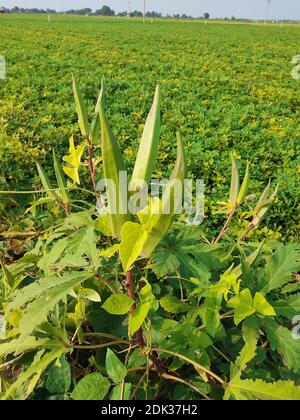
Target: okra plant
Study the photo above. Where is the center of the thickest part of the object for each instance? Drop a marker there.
(104, 302)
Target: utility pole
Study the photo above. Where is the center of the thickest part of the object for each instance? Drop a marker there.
(129, 9)
(144, 14)
(268, 11)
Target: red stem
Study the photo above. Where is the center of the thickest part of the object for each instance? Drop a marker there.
(131, 293)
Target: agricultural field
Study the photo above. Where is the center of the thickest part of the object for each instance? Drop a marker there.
(103, 305)
(226, 87)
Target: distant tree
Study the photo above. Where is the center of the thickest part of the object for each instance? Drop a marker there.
(105, 11)
(136, 13)
(206, 15)
(233, 18)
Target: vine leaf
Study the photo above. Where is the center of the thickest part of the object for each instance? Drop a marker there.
(28, 379)
(282, 340)
(288, 307)
(39, 298)
(115, 368)
(92, 387)
(250, 335)
(258, 389)
(280, 267)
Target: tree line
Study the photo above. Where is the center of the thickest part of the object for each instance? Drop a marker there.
(104, 11)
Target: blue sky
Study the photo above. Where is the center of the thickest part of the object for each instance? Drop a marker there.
(280, 9)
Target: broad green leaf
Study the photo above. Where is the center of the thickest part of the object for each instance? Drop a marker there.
(59, 377)
(288, 307)
(117, 394)
(235, 184)
(133, 238)
(137, 359)
(147, 154)
(225, 285)
(173, 305)
(210, 314)
(138, 317)
(250, 330)
(282, 340)
(250, 260)
(39, 365)
(164, 263)
(109, 252)
(80, 109)
(90, 294)
(7, 276)
(262, 199)
(244, 188)
(114, 367)
(113, 169)
(260, 390)
(103, 225)
(262, 209)
(41, 297)
(243, 306)
(280, 267)
(261, 305)
(171, 204)
(118, 304)
(18, 346)
(74, 161)
(92, 387)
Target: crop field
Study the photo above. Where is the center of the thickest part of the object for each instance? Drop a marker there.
(108, 291)
(226, 87)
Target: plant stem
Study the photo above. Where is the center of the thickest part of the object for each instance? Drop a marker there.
(131, 293)
(247, 231)
(225, 227)
(98, 346)
(106, 283)
(192, 362)
(182, 381)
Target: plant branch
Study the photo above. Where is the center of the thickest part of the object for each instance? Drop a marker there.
(225, 227)
(247, 231)
(182, 381)
(131, 293)
(98, 346)
(106, 283)
(192, 362)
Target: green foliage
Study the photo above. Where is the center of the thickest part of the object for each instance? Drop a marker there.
(229, 115)
(283, 341)
(260, 390)
(279, 269)
(114, 367)
(92, 387)
(118, 304)
(212, 317)
(59, 377)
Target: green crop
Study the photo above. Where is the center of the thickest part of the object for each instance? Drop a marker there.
(228, 87)
(139, 305)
